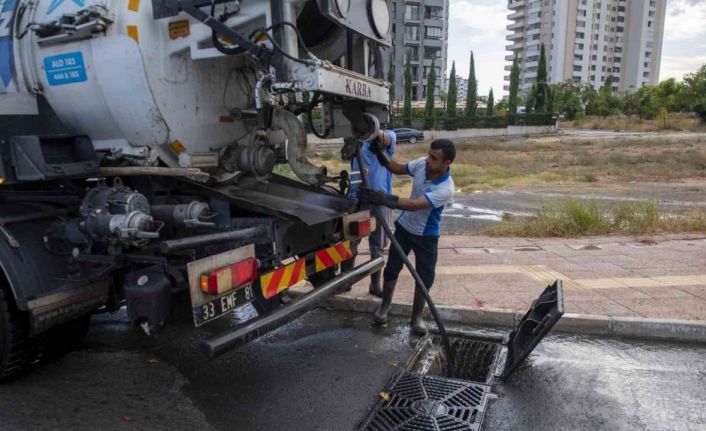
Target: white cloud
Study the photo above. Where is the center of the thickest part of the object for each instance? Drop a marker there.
(684, 48)
(479, 26)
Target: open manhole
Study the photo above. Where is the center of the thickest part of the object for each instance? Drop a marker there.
(422, 398)
(477, 358)
(419, 402)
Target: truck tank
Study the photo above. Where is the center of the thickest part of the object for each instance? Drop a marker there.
(149, 83)
(138, 146)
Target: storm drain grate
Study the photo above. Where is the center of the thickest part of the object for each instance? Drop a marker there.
(421, 402)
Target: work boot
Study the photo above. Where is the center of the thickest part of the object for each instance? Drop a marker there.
(375, 287)
(388, 289)
(418, 325)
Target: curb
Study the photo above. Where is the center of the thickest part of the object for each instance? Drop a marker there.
(615, 326)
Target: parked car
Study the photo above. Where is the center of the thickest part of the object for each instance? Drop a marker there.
(409, 135)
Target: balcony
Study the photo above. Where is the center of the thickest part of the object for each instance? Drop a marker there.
(515, 46)
(515, 36)
(512, 57)
(515, 26)
(515, 4)
(517, 15)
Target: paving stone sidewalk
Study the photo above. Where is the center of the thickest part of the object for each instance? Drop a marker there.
(660, 277)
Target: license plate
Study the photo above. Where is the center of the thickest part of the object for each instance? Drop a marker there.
(221, 305)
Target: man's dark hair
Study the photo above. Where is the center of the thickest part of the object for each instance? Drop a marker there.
(446, 147)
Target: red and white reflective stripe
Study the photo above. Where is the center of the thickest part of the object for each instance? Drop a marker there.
(230, 277)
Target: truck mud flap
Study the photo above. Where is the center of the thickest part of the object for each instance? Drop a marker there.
(545, 311)
(261, 325)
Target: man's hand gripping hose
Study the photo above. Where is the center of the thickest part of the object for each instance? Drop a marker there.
(419, 284)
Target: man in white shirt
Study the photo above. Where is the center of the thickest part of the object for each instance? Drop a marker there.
(418, 227)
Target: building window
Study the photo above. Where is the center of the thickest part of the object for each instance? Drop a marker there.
(432, 52)
(578, 68)
(578, 47)
(578, 57)
(620, 29)
(579, 35)
(411, 11)
(433, 32)
(411, 32)
(412, 53)
(415, 73)
(433, 12)
(618, 50)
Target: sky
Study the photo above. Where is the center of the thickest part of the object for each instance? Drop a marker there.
(479, 25)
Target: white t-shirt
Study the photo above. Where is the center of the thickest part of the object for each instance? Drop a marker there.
(439, 192)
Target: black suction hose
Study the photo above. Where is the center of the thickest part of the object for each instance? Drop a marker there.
(419, 284)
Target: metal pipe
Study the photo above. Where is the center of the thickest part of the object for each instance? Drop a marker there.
(259, 326)
(195, 241)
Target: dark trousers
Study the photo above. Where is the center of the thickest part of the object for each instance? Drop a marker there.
(425, 251)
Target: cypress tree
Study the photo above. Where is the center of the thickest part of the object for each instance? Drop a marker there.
(429, 107)
(514, 86)
(472, 92)
(541, 89)
(491, 103)
(453, 93)
(407, 110)
(391, 80)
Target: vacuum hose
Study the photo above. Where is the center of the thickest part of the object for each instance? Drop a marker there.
(450, 354)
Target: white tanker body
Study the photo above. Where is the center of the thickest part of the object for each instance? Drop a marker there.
(137, 144)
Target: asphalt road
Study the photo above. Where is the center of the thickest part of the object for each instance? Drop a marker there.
(474, 210)
(323, 372)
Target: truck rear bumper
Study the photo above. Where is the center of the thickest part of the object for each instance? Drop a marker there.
(259, 326)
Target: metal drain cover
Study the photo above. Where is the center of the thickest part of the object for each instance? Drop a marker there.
(421, 402)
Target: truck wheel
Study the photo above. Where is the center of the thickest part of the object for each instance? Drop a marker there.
(63, 339)
(14, 338)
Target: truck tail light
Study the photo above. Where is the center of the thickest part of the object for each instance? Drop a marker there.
(230, 277)
(361, 227)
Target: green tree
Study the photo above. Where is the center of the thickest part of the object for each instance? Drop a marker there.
(429, 106)
(453, 93)
(472, 92)
(567, 99)
(695, 91)
(514, 86)
(541, 96)
(407, 110)
(491, 103)
(391, 80)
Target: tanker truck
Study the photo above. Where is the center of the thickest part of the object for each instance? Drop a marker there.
(140, 142)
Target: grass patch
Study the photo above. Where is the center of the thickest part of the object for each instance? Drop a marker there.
(492, 163)
(671, 121)
(573, 217)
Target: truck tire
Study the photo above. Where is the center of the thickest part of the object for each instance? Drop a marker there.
(14, 338)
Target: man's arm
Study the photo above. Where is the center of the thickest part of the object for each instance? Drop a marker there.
(391, 164)
(407, 204)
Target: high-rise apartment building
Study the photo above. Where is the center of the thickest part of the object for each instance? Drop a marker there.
(420, 31)
(588, 40)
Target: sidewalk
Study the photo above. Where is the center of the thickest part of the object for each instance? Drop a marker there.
(661, 277)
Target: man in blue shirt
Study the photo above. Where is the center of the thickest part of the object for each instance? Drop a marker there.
(380, 179)
(418, 227)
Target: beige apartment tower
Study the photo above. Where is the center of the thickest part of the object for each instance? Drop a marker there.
(587, 40)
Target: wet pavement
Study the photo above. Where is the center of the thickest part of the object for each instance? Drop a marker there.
(324, 371)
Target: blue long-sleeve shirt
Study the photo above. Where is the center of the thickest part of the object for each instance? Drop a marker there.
(378, 176)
